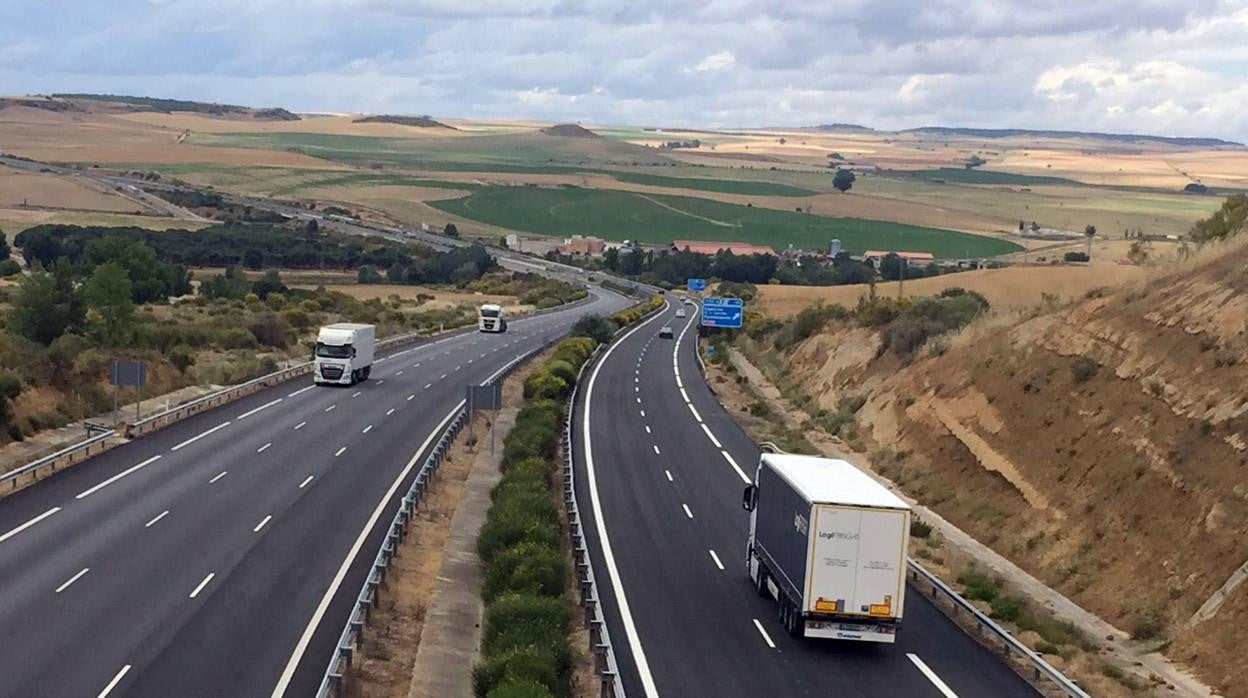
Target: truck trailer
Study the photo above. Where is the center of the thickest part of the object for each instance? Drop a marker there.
(828, 543)
(344, 353)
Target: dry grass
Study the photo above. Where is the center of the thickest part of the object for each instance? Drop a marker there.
(15, 220)
(1008, 287)
(39, 190)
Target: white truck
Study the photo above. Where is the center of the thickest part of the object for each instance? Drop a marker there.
(491, 318)
(828, 543)
(344, 353)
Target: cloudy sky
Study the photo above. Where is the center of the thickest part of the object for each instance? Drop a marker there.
(1170, 67)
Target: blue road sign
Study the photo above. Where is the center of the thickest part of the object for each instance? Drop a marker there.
(722, 312)
(696, 285)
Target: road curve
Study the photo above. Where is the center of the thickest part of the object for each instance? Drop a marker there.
(660, 468)
(193, 561)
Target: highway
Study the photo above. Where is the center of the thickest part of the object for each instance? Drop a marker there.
(660, 468)
(220, 556)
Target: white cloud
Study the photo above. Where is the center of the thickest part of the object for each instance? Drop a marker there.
(715, 61)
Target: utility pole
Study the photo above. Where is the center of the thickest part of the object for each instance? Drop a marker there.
(901, 277)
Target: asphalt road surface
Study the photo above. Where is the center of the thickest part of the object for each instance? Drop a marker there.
(220, 556)
(660, 472)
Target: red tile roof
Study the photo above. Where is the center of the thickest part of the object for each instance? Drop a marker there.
(704, 247)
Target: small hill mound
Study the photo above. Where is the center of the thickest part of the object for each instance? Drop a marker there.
(422, 121)
(112, 104)
(569, 131)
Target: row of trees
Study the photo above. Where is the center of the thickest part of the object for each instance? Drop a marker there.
(675, 267)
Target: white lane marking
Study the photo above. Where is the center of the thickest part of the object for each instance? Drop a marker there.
(687, 512)
(302, 645)
(299, 425)
(762, 632)
(357, 393)
(428, 386)
(88, 492)
(715, 557)
(679, 384)
(302, 390)
(416, 365)
(340, 451)
(643, 414)
(398, 373)
(330, 408)
(638, 401)
(656, 450)
(648, 429)
(668, 473)
(711, 436)
(72, 579)
(637, 388)
(266, 405)
(604, 540)
(381, 359)
(684, 394)
(264, 448)
(443, 377)
(116, 680)
(383, 380)
(389, 411)
(470, 360)
(694, 410)
(268, 518)
(203, 584)
(220, 475)
(411, 397)
(158, 517)
(305, 482)
(931, 676)
(458, 367)
(740, 472)
(193, 439)
(367, 429)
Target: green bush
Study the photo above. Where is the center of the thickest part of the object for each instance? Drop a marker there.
(528, 568)
(977, 585)
(1007, 608)
(920, 528)
(517, 664)
(1048, 648)
(595, 327)
(238, 338)
(1084, 369)
(10, 385)
(500, 532)
(182, 357)
(562, 370)
(9, 267)
(519, 620)
(519, 688)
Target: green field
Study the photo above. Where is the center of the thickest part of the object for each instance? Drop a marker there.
(728, 186)
(959, 175)
(618, 215)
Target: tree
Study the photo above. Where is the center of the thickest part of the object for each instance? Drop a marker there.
(1021, 226)
(368, 274)
(233, 284)
(892, 267)
(108, 294)
(253, 258)
(1229, 220)
(843, 180)
(450, 231)
(1090, 232)
(973, 162)
(271, 282)
(150, 278)
(47, 304)
(4, 247)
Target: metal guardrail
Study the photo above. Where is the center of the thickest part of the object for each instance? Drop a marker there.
(605, 665)
(82, 450)
(353, 632)
(1040, 669)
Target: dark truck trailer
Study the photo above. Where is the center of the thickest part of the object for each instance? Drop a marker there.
(828, 543)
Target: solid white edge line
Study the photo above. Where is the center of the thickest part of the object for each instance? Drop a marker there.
(72, 579)
(763, 632)
(711, 436)
(302, 390)
(740, 473)
(203, 584)
(88, 492)
(613, 572)
(263, 521)
(302, 645)
(159, 516)
(687, 511)
(266, 405)
(715, 557)
(116, 680)
(193, 439)
(931, 676)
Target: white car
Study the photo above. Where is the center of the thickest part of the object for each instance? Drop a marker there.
(680, 312)
(665, 332)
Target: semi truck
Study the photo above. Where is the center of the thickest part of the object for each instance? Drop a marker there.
(828, 544)
(491, 318)
(344, 353)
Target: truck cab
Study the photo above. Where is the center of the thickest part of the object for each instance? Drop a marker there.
(491, 318)
(829, 544)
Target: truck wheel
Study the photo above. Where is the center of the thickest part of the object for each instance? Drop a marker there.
(761, 585)
(795, 625)
(367, 371)
(355, 377)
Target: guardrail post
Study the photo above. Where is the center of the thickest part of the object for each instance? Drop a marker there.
(608, 684)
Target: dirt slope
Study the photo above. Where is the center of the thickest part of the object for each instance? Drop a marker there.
(1102, 446)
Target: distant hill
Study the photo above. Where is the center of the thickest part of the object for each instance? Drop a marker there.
(569, 131)
(842, 127)
(422, 121)
(45, 103)
(160, 104)
(1121, 137)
